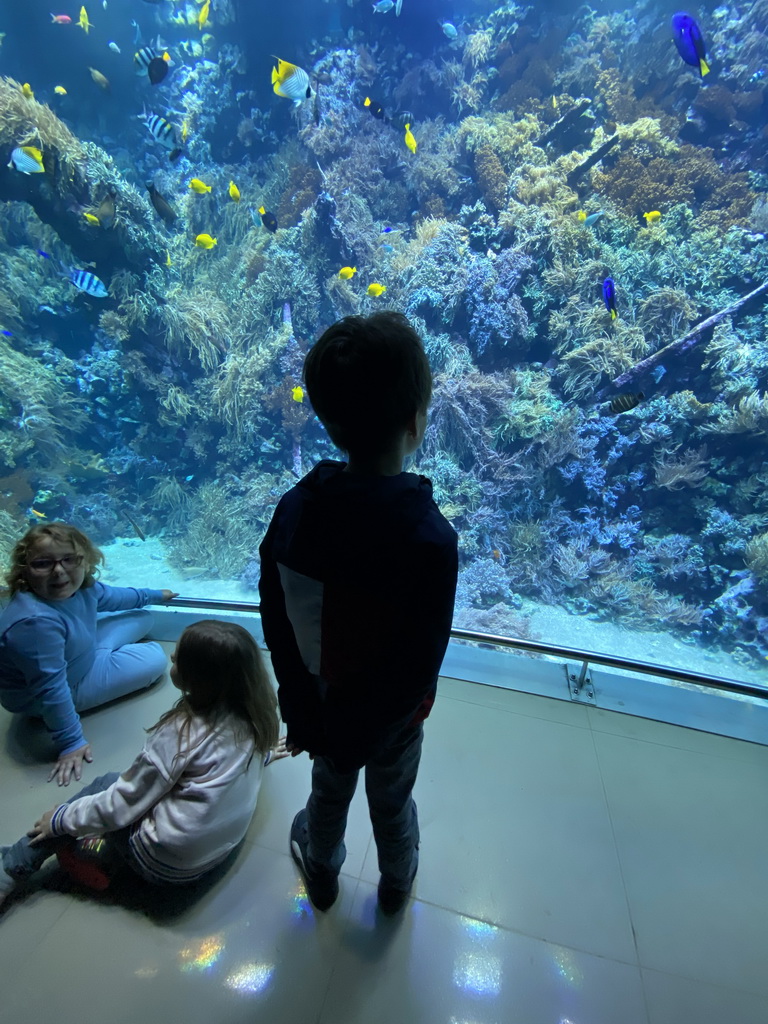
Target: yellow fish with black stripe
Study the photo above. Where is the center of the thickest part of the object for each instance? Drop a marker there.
(291, 81)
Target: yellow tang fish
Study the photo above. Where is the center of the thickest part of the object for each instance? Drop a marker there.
(298, 393)
(199, 186)
(205, 241)
(83, 22)
(652, 217)
(92, 219)
(26, 91)
(168, 260)
(347, 272)
(581, 215)
(60, 90)
(375, 290)
(202, 18)
(410, 142)
(40, 515)
(184, 129)
(234, 192)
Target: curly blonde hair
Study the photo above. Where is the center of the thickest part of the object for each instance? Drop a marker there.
(16, 577)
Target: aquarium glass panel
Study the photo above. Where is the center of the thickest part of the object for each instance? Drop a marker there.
(570, 204)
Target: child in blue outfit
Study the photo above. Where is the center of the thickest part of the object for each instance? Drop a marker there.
(358, 578)
(59, 654)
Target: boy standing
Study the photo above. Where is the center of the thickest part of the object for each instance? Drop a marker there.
(358, 578)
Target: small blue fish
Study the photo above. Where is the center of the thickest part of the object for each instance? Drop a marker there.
(189, 478)
(593, 218)
(387, 248)
(757, 75)
(7, 334)
(383, 6)
(689, 42)
(449, 30)
(609, 297)
(43, 254)
(385, 231)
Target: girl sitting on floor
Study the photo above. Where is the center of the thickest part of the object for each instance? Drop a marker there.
(61, 651)
(188, 798)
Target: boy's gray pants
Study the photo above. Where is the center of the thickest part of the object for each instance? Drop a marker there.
(389, 782)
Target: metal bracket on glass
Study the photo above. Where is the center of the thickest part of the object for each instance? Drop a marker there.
(580, 683)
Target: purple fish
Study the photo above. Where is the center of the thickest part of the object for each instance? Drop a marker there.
(609, 297)
(689, 42)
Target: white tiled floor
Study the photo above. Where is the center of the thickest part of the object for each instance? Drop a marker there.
(577, 867)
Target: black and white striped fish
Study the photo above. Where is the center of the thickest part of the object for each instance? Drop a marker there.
(87, 282)
(161, 130)
(143, 58)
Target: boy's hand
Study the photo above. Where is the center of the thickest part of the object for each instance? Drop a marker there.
(42, 828)
(294, 751)
(168, 595)
(69, 764)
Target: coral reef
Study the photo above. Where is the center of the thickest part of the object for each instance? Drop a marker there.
(541, 147)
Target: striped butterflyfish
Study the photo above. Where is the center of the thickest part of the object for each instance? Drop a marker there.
(291, 81)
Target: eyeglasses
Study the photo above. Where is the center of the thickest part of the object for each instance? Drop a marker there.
(44, 566)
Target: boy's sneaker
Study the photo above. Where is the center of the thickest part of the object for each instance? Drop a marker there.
(85, 861)
(392, 899)
(322, 886)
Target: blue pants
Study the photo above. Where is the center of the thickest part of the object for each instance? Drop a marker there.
(389, 782)
(121, 665)
(22, 860)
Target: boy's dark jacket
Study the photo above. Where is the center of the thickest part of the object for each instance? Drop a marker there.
(358, 579)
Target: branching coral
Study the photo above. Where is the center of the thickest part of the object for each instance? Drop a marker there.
(756, 556)
(689, 470)
(692, 177)
(750, 416)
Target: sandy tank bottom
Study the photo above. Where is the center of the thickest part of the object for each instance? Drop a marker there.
(131, 562)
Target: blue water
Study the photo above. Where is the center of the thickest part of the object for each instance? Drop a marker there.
(605, 473)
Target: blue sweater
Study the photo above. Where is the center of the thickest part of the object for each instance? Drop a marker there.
(48, 647)
(358, 578)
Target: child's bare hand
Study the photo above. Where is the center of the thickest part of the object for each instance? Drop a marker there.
(168, 595)
(71, 764)
(42, 828)
(278, 752)
(295, 750)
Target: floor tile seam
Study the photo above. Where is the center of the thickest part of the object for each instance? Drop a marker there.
(511, 711)
(699, 981)
(620, 865)
(676, 746)
(337, 957)
(520, 932)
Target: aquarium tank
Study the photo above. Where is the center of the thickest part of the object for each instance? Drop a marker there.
(570, 205)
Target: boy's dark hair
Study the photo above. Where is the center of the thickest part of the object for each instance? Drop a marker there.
(366, 377)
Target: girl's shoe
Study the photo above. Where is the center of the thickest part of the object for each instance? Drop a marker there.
(86, 861)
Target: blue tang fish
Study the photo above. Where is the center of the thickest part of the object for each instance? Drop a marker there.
(609, 297)
(689, 42)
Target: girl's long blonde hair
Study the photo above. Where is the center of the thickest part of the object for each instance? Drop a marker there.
(220, 669)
